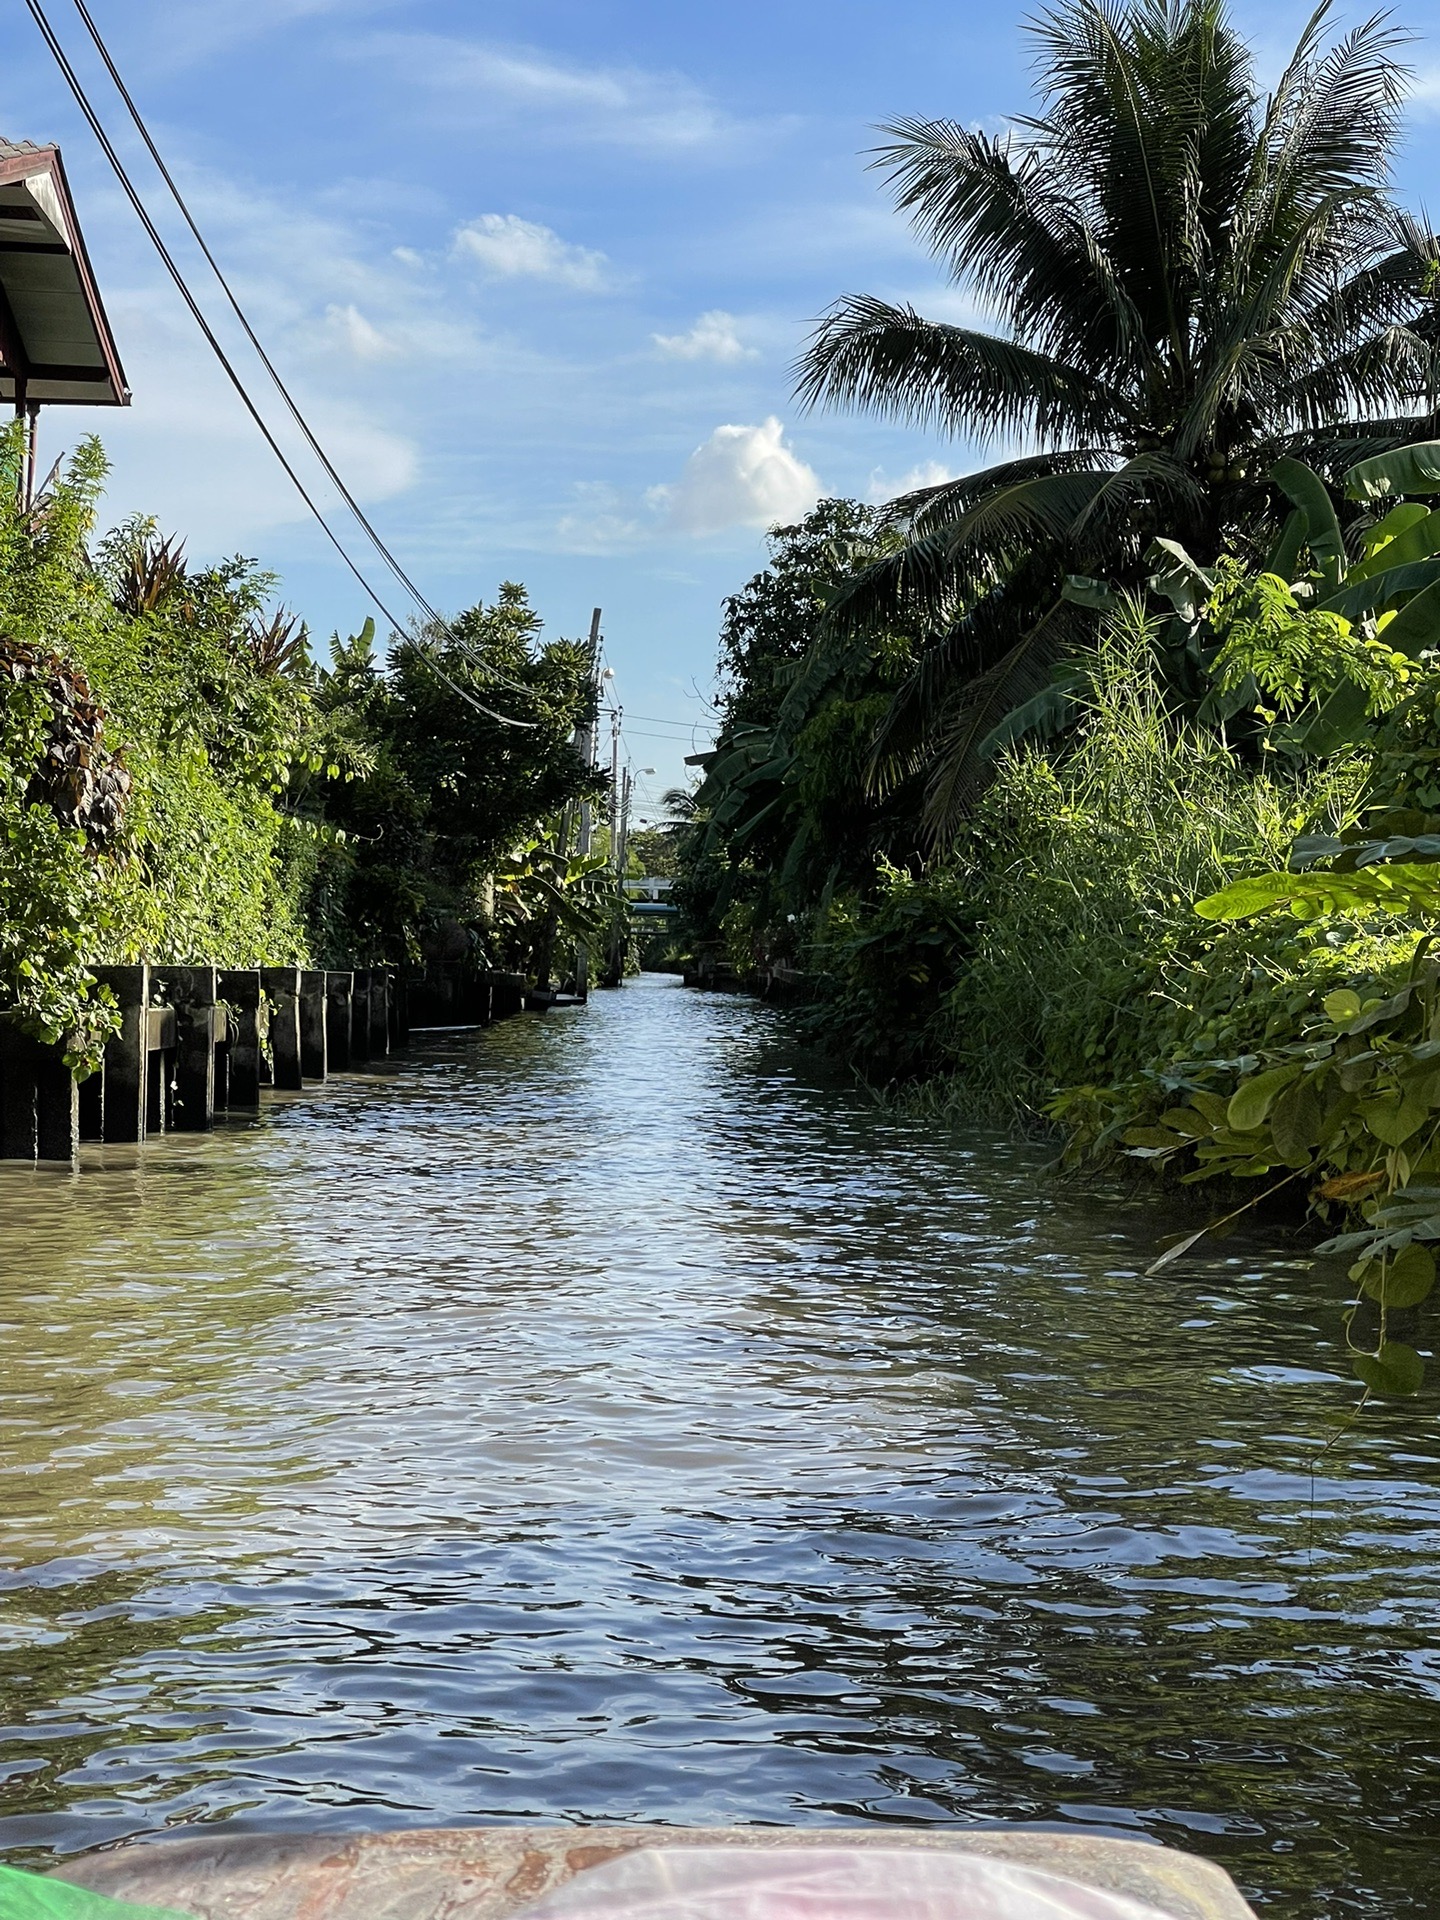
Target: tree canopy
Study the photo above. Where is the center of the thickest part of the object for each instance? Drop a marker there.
(1188, 281)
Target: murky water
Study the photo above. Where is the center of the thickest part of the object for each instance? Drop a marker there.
(610, 1417)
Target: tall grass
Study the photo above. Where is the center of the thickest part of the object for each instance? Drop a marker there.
(1083, 871)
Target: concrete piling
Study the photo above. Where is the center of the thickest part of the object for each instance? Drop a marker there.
(379, 1013)
(314, 1048)
(39, 1101)
(197, 1041)
(193, 993)
(161, 1030)
(360, 1017)
(507, 995)
(127, 1053)
(282, 990)
(339, 1015)
(245, 1028)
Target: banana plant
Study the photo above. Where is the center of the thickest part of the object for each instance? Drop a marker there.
(541, 890)
(1360, 619)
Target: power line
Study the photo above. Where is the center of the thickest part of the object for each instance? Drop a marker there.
(165, 174)
(82, 100)
(670, 739)
(316, 447)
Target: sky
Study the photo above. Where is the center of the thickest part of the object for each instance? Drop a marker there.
(538, 273)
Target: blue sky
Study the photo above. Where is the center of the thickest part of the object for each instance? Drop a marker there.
(539, 273)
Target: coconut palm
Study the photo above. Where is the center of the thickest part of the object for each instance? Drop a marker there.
(1189, 281)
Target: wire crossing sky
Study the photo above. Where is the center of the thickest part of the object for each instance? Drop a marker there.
(536, 274)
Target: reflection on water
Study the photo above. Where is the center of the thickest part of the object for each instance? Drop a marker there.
(608, 1417)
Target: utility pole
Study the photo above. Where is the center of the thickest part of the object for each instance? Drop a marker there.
(585, 734)
(616, 715)
(585, 747)
(622, 845)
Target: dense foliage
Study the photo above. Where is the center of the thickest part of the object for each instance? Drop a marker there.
(464, 743)
(180, 783)
(1190, 280)
(1195, 932)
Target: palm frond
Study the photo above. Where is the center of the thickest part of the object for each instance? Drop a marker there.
(919, 585)
(890, 361)
(935, 508)
(959, 763)
(1003, 221)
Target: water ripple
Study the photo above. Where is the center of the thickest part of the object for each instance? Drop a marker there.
(614, 1417)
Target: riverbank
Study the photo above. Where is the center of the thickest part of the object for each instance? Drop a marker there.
(616, 1416)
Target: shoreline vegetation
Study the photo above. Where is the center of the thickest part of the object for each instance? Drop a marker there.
(181, 782)
(1098, 788)
(1101, 787)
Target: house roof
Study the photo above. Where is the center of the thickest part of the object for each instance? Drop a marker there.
(56, 346)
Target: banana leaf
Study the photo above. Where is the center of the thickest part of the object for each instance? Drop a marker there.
(1285, 554)
(1379, 590)
(1304, 488)
(1413, 469)
(1416, 627)
(1415, 542)
(26, 1896)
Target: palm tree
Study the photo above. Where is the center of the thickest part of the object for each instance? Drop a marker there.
(1189, 281)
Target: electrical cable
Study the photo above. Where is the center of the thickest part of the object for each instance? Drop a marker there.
(72, 79)
(316, 448)
(281, 388)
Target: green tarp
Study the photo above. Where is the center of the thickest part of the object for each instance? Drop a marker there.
(25, 1896)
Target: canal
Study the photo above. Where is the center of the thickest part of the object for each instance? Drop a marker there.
(616, 1416)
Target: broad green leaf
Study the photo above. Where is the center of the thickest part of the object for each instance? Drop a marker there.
(1413, 469)
(1398, 520)
(1082, 591)
(1358, 598)
(1393, 1117)
(1383, 1011)
(1285, 554)
(1253, 1098)
(1416, 541)
(1343, 720)
(1405, 1281)
(1156, 1138)
(1183, 581)
(1306, 490)
(1395, 1371)
(1297, 1121)
(1416, 627)
(1211, 1106)
(1404, 888)
(1245, 897)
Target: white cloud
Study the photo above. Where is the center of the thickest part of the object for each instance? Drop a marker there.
(740, 477)
(600, 521)
(713, 337)
(513, 249)
(186, 424)
(350, 330)
(186, 33)
(929, 473)
(620, 106)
